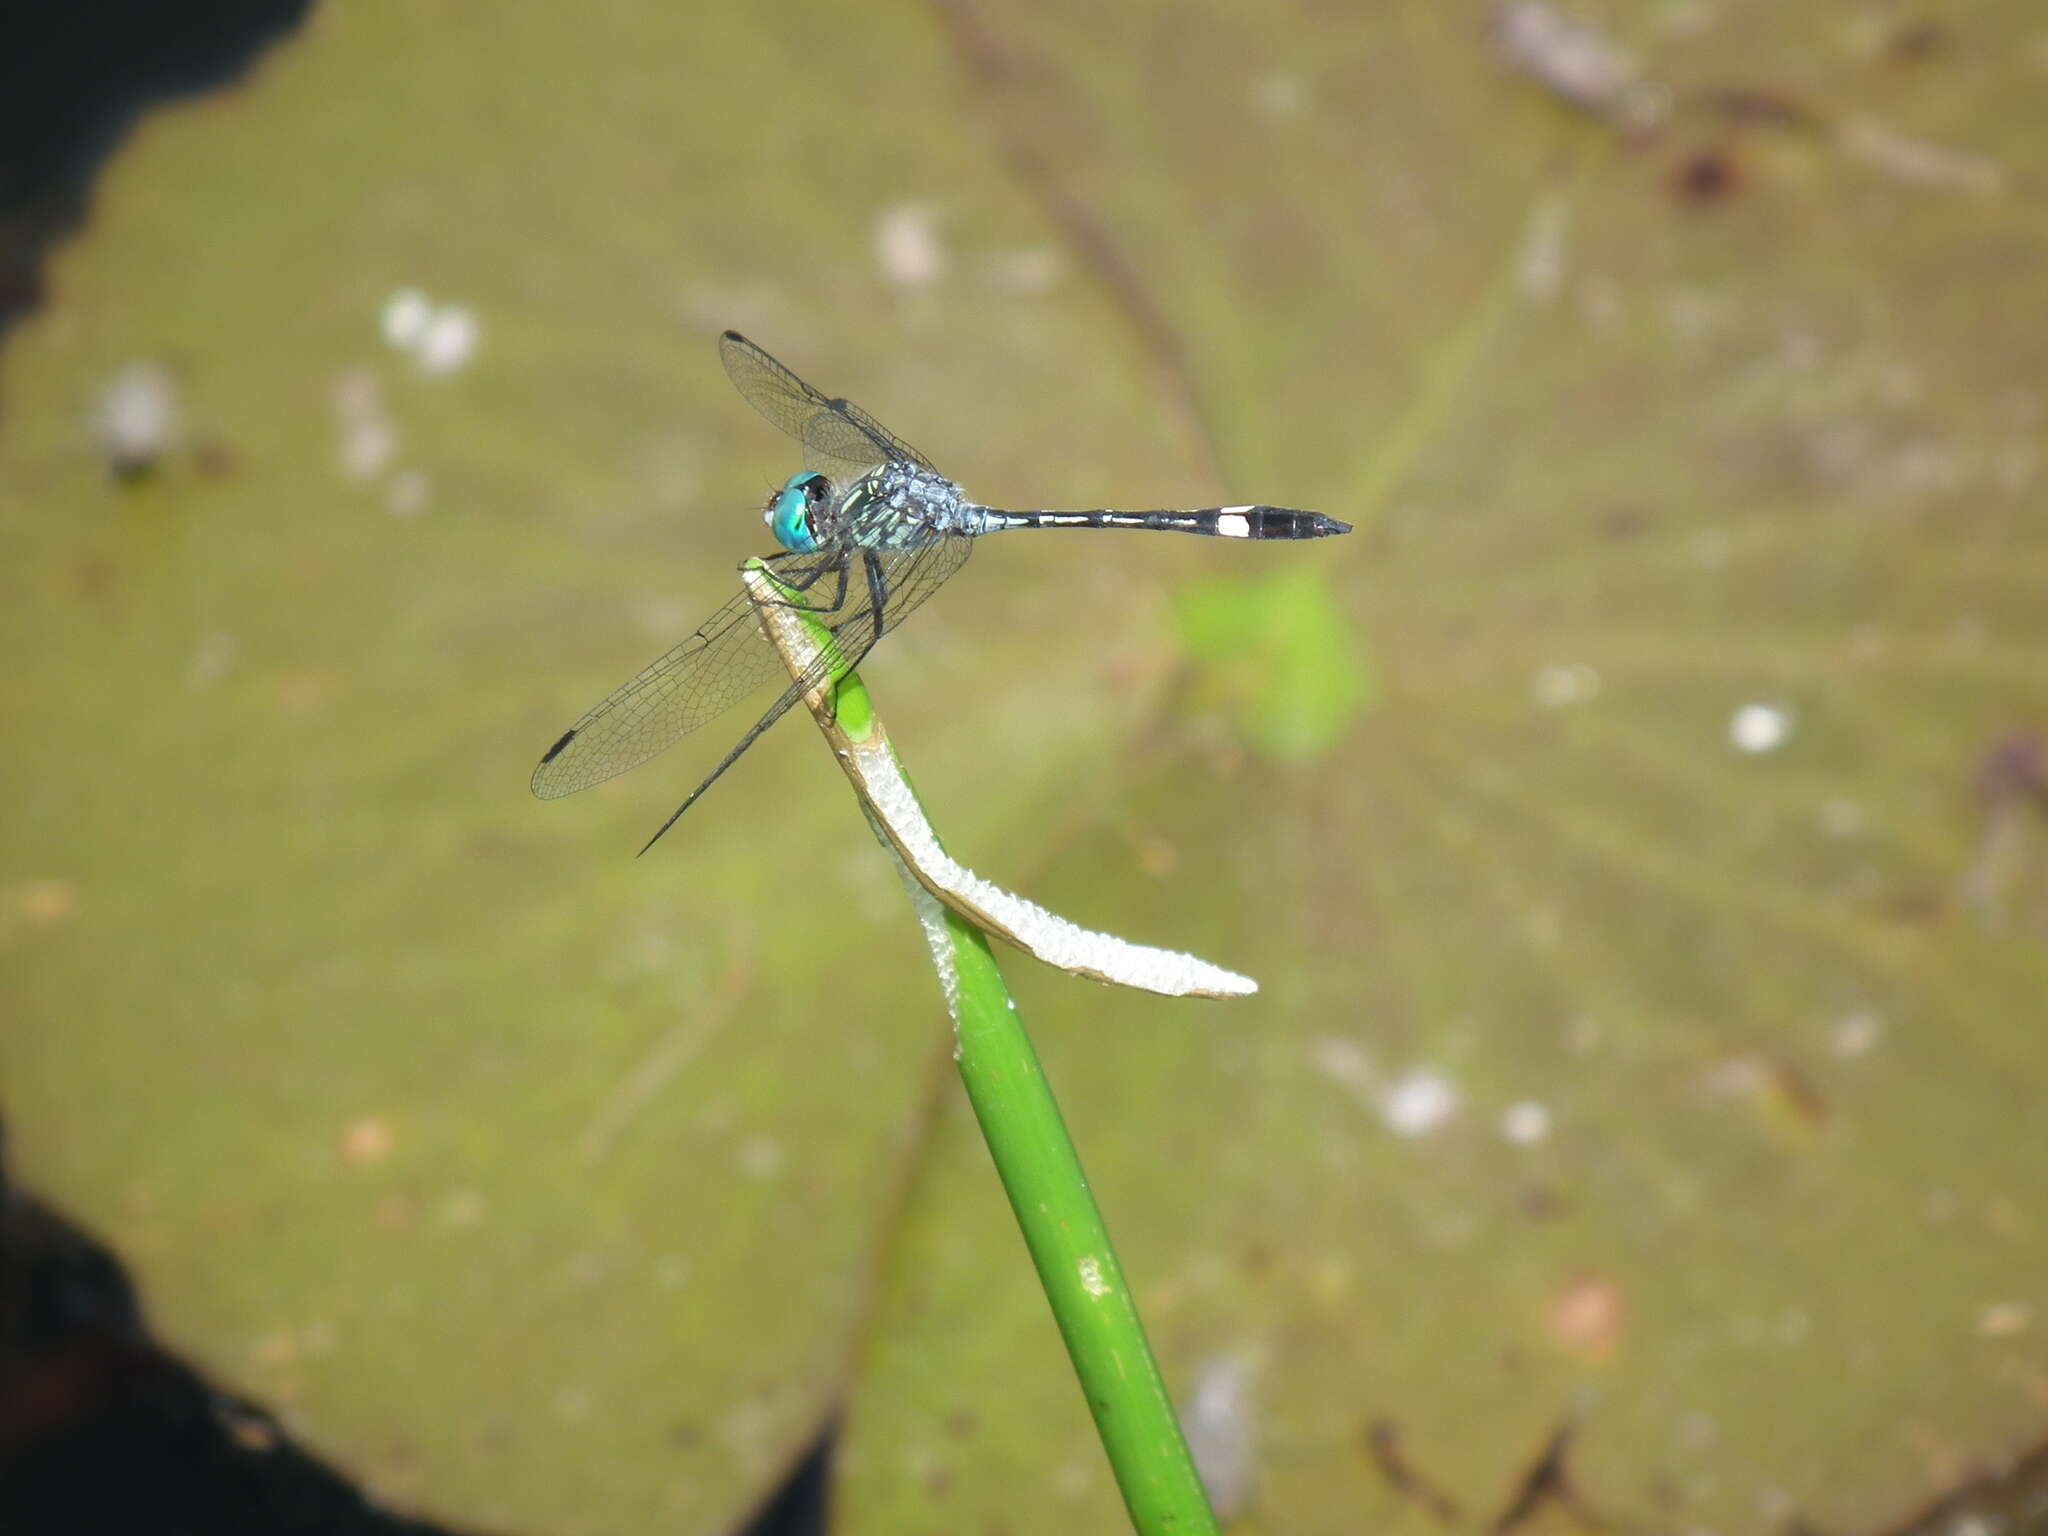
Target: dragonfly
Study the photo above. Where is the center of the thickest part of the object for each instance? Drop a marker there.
(868, 530)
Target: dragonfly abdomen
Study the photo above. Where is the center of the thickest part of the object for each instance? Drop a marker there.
(1247, 522)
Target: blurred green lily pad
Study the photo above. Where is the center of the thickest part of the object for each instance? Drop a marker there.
(1282, 650)
(1648, 1043)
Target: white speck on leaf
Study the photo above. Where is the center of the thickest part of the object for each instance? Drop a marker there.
(1525, 1123)
(138, 418)
(1419, 1103)
(1562, 683)
(1919, 162)
(1758, 728)
(404, 318)
(1856, 1033)
(1566, 55)
(449, 342)
(907, 246)
(441, 340)
(1217, 1421)
(2003, 1319)
(368, 439)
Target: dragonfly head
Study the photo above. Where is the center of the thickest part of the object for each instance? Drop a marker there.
(790, 511)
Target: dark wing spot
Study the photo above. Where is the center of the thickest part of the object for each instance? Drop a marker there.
(556, 750)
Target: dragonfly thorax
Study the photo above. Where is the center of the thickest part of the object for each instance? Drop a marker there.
(903, 506)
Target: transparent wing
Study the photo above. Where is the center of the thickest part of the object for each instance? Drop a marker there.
(844, 441)
(769, 387)
(725, 660)
(909, 576)
(840, 439)
(728, 658)
(895, 582)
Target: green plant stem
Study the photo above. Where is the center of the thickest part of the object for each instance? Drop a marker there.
(1096, 1313)
(1034, 1156)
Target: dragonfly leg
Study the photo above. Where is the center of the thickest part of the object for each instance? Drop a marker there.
(809, 579)
(852, 639)
(855, 646)
(877, 606)
(878, 588)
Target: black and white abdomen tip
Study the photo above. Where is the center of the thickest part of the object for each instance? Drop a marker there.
(1273, 523)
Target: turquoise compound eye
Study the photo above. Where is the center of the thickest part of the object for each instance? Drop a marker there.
(789, 514)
